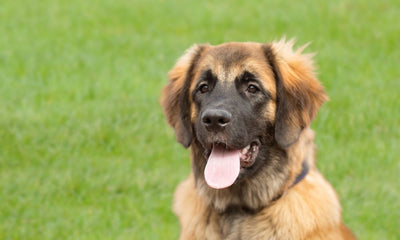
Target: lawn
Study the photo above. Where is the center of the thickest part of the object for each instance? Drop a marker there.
(85, 152)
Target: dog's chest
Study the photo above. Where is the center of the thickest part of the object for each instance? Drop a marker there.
(241, 224)
(230, 223)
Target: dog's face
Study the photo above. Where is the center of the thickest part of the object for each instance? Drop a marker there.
(240, 103)
(233, 97)
(233, 107)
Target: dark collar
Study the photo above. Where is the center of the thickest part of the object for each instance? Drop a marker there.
(304, 170)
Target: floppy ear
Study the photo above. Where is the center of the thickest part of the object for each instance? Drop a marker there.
(175, 96)
(299, 94)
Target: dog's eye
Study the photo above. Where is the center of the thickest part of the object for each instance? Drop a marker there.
(252, 88)
(203, 88)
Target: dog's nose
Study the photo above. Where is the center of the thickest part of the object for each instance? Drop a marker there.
(216, 119)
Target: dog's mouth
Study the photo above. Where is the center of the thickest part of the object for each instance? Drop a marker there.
(224, 164)
(248, 155)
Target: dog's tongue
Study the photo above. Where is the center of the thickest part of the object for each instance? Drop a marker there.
(223, 167)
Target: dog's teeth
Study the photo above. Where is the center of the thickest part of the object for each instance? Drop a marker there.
(245, 150)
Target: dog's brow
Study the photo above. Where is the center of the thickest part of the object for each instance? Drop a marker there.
(247, 76)
(207, 75)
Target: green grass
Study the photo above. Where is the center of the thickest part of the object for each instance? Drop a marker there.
(85, 152)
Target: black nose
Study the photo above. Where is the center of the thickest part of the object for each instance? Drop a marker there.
(215, 119)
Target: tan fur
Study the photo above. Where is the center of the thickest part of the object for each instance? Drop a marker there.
(308, 210)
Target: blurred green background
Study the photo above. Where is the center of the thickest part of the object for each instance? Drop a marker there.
(85, 152)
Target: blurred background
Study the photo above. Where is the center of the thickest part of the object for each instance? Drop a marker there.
(85, 152)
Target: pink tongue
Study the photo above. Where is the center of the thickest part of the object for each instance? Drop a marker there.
(223, 167)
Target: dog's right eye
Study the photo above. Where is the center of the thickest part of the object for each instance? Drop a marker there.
(203, 88)
(252, 89)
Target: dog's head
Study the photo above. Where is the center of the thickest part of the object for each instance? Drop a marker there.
(237, 101)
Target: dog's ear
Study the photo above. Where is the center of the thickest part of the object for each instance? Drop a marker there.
(175, 95)
(299, 93)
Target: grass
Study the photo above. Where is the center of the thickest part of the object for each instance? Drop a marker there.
(85, 152)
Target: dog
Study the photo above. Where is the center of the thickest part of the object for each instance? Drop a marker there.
(245, 110)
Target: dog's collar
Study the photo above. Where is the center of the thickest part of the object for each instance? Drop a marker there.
(304, 170)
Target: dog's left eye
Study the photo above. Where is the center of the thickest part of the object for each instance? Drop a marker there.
(252, 88)
(203, 88)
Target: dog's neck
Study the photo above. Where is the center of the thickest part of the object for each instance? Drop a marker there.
(247, 194)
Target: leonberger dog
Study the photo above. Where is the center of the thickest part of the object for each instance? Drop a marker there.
(245, 110)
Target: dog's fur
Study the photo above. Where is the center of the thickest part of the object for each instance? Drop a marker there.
(264, 202)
